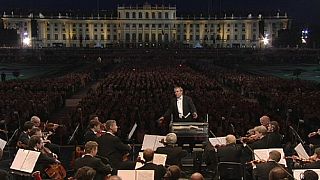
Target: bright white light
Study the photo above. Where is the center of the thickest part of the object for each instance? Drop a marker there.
(26, 41)
(25, 34)
(303, 41)
(265, 41)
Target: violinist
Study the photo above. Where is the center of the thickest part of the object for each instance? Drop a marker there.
(93, 132)
(274, 137)
(159, 170)
(262, 170)
(89, 159)
(44, 160)
(265, 121)
(111, 146)
(231, 152)
(24, 137)
(45, 127)
(173, 152)
(259, 139)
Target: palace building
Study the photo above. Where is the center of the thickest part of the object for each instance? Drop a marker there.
(145, 26)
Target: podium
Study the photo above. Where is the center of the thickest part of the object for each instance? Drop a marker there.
(195, 132)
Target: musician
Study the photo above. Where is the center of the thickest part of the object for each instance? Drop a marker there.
(89, 159)
(110, 146)
(44, 160)
(196, 176)
(173, 152)
(231, 152)
(265, 121)
(261, 141)
(278, 173)
(159, 170)
(310, 175)
(85, 173)
(173, 173)
(92, 133)
(274, 137)
(37, 123)
(46, 142)
(24, 137)
(181, 107)
(262, 170)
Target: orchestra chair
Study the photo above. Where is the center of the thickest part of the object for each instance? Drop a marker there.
(230, 171)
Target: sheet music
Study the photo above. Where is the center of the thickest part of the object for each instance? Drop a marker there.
(25, 160)
(19, 159)
(30, 161)
(158, 143)
(218, 141)
(136, 174)
(159, 159)
(297, 172)
(139, 164)
(152, 142)
(2, 143)
(127, 174)
(144, 174)
(263, 154)
(132, 131)
(301, 151)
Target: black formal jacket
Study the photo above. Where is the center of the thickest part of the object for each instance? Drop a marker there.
(274, 140)
(89, 136)
(229, 153)
(188, 107)
(111, 147)
(174, 154)
(262, 171)
(101, 169)
(24, 138)
(159, 170)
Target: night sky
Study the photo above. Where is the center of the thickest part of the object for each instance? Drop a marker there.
(303, 11)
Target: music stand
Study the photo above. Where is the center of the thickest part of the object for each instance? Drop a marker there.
(73, 134)
(132, 140)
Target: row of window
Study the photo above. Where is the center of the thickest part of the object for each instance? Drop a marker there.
(146, 15)
(160, 37)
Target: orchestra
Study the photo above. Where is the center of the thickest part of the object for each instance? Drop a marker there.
(112, 154)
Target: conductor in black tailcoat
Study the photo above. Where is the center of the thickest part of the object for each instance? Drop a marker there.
(181, 107)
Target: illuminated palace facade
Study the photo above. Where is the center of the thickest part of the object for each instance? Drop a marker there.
(146, 26)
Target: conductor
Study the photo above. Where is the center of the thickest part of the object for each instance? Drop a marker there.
(181, 107)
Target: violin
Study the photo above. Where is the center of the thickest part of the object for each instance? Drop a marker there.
(257, 161)
(4, 131)
(301, 160)
(312, 134)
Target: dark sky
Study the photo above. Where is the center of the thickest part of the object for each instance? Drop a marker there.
(303, 11)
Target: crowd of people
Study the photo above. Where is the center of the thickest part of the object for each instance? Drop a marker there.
(21, 99)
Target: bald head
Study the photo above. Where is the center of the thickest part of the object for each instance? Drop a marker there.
(196, 176)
